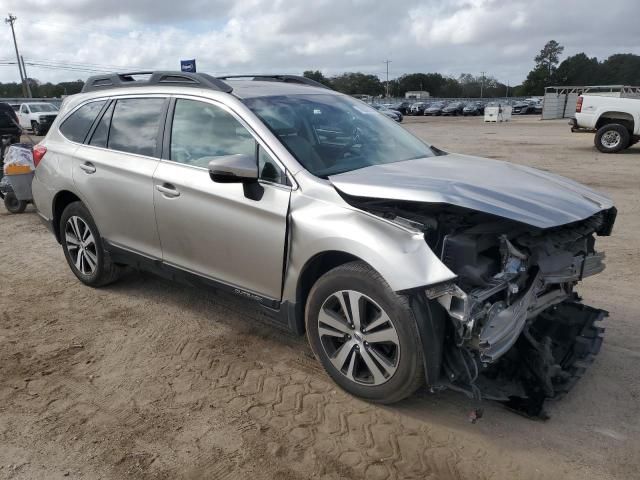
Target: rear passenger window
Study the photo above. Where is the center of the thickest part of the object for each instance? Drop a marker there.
(134, 125)
(101, 133)
(77, 125)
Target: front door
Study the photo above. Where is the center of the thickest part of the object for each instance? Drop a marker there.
(215, 229)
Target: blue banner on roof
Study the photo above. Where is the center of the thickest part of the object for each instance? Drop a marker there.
(188, 65)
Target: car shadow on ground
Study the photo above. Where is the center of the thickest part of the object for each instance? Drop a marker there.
(249, 319)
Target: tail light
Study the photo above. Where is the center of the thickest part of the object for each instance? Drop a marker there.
(579, 105)
(38, 154)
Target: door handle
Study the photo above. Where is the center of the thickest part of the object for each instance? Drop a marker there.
(168, 190)
(88, 167)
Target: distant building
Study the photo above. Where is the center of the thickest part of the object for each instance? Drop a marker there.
(417, 95)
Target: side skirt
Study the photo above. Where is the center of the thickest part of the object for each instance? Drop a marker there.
(281, 314)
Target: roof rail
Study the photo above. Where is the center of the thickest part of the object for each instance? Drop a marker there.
(172, 78)
(279, 78)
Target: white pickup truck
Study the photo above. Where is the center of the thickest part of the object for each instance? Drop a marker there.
(37, 116)
(615, 120)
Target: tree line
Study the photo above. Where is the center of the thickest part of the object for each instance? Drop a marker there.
(41, 90)
(438, 85)
(579, 69)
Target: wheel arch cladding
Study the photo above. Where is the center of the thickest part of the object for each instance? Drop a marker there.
(622, 118)
(60, 202)
(315, 267)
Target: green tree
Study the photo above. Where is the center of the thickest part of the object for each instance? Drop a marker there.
(621, 69)
(549, 56)
(578, 70)
(429, 82)
(353, 83)
(317, 76)
(535, 82)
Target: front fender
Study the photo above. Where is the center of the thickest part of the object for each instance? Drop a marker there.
(400, 255)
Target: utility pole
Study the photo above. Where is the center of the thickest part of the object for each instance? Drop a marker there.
(482, 85)
(26, 77)
(387, 62)
(11, 20)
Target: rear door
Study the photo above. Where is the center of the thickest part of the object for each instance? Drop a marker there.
(113, 171)
(222, 231)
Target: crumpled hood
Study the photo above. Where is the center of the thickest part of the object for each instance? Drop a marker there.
(504, 189)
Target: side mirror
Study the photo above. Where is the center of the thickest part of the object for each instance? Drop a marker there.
(239, 168)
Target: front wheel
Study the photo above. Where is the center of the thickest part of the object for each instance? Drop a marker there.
(364, 334)
(83, 247)
(612, 138)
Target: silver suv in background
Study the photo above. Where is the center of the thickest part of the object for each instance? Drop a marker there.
(402, 263)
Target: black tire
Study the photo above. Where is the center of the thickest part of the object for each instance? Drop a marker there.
(608, 130)
(409, 370)
(632, 141)
(105, 271)
(12, 204)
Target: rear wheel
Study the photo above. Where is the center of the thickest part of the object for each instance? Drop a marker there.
(83, 247)
(612, 138)
(12, 204)
(364, 334)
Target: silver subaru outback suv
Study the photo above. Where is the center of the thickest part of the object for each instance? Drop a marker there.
(403, 264)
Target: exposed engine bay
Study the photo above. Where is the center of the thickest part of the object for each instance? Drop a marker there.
(517, 331)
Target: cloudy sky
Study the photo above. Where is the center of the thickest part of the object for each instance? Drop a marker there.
(499, 37)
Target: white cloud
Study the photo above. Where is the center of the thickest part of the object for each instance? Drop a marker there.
(248, 36)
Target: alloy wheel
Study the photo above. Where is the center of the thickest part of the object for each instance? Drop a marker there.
(359, 338)
(81, 245)
(611, 139)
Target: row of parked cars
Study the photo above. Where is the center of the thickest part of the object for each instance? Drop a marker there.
(452, 108)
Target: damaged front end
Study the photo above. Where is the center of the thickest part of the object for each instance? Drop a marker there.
(517, 331)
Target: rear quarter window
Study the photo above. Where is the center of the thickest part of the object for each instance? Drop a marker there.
(77, 125)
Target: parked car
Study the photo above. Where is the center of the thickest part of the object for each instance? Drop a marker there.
(435, 109)
(392, 114)
(453, 108)
(9, 125)
(473, 108)
(402, 107)
(37, 116)
(418, 108)
(523, 108)
(615, 121)
(402, 263)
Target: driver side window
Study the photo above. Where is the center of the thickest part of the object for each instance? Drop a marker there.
(202, 130)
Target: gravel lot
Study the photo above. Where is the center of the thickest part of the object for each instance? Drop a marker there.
(149, 379)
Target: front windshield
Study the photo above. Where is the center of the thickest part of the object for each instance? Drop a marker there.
(330, 134)
(42, 107)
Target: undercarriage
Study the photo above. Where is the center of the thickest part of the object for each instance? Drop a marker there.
(517, 332)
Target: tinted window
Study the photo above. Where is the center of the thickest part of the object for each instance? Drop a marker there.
(201, 131)
(43, 107)
(76, 127)
(134, 126)
(101, 133)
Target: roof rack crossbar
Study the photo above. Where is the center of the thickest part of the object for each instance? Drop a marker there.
(279, 78)
(183, 79)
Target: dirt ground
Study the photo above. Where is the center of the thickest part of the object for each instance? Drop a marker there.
(149, 379)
